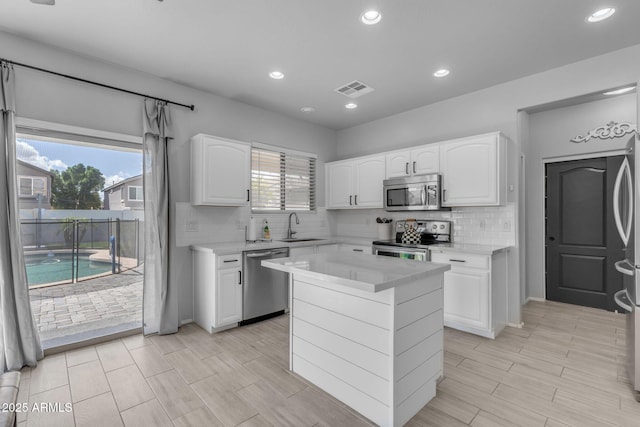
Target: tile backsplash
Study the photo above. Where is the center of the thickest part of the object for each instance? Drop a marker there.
(481, 225)
(205, 224)
(213, 224)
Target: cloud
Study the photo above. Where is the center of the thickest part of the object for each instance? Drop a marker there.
(114, 179)
(27, 153)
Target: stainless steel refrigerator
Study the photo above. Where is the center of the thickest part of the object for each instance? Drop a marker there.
(626, 205)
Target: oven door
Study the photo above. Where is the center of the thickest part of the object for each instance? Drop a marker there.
(402, 253)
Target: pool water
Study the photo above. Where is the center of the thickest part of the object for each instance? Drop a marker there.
(58, 267)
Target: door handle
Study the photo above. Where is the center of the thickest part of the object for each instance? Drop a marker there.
(619, 297)
(239, 277)
(414, 167)
(259, 254)
(350, 200)
(551, 238)
(406, 168)
(247, 195)
(444, 195)
(626, 271)
(625, 171)
(355, 198)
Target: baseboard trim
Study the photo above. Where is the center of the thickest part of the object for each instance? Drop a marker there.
(535, 299)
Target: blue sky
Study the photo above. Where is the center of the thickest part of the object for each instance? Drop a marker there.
(115, 165)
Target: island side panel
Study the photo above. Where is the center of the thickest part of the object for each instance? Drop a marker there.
(340, 342)
(418, 345)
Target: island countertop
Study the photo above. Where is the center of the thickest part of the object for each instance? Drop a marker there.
(372, 273)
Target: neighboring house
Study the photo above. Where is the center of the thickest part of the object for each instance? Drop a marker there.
(34, 186)
(125, 195)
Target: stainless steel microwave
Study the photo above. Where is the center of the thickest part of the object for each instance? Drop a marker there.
(414, 193)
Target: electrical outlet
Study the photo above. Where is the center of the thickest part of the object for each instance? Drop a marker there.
(506, 226)
(192, 226)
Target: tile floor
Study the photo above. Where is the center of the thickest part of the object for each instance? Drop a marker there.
(563, 368)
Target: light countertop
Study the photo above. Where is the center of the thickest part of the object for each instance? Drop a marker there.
(470, 248)
(372, 273)
(235, 247)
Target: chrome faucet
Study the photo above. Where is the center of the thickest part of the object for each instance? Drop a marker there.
(290, 232)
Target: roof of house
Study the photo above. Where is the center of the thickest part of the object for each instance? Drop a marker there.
(121, 183)
(32, 166)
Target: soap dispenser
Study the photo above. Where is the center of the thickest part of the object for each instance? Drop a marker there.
(266, 234)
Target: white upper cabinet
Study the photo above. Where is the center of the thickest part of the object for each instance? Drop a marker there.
(220, 171)
(474, 171)
(355, 183)
(419, 161)
(339, 188)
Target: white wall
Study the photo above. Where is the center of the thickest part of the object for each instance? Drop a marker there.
(550, 134)
(495, 109)
(54, 99)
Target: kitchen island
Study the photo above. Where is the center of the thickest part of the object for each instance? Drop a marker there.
(367, 329)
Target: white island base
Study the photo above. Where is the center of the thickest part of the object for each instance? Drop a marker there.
(379, 350)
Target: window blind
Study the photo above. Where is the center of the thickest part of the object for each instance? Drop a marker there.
(282, 181)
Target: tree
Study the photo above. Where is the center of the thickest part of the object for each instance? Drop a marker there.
(77, 187)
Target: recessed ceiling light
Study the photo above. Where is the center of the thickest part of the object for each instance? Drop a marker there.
(371, 17)
(47, 2)
(351, 106)
(441, 72)
(276, 75)
(307, 109)
(600, 15)
(620, 91)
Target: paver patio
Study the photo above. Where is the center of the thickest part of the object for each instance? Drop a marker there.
(84, 309)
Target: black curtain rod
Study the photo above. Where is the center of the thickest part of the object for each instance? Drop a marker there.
(191, 107)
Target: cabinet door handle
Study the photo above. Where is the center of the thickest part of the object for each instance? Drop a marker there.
(444, 195)
(457, 260)
(350, 200)
(239, 277)
(414, 167)
(406, 168)
(247, 195)
(358, 250)
(230, 260)
(356, 199)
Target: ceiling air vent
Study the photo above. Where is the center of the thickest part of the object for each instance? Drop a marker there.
(354, 89)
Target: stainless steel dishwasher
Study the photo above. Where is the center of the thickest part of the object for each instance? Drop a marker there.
(265, 291)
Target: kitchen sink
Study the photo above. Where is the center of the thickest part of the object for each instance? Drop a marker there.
(298, 240)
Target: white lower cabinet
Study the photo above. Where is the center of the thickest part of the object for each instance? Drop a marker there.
(302, 250)
(475, 291)
(330, 248)
(327, 249)
(348, 247)
(217, 283)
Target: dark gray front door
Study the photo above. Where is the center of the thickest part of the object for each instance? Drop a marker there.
(581, 240)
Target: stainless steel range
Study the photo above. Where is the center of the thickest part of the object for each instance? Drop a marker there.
(431, 233)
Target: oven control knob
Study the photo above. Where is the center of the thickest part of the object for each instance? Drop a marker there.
(435, 227)
(441, 225)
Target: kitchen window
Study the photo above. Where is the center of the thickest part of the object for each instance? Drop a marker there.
(31, 186)
(136, 193)
(282, 180)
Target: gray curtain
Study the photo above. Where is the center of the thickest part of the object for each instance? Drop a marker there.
(19, 341)
(160, 302)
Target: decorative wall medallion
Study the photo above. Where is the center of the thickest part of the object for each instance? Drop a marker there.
(610, 130)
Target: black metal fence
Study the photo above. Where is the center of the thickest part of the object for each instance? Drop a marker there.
(72, 250)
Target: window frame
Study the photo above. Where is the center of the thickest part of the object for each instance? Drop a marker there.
(138, 188)
(33, 178)
(284, 153)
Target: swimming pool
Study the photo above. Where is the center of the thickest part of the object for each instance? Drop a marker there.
(49, 268)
